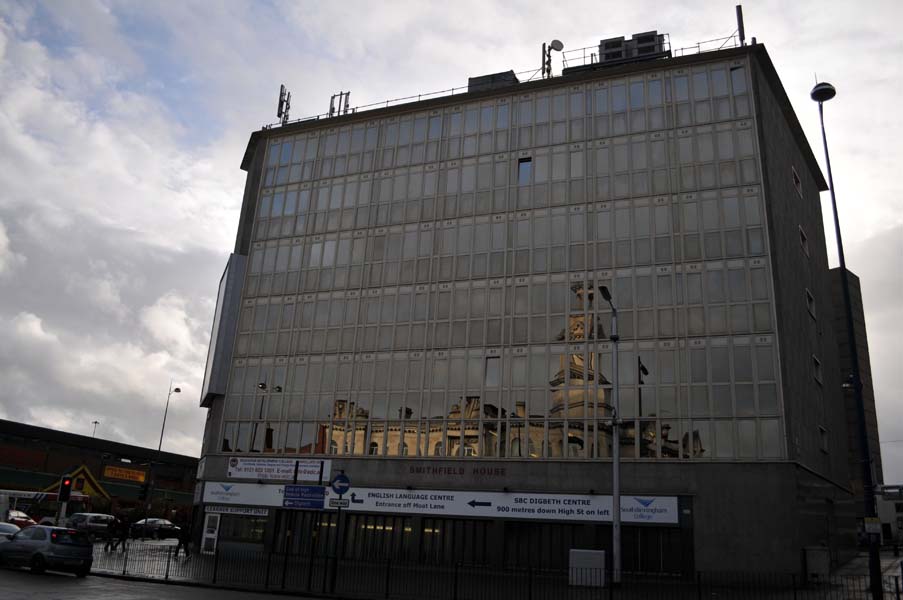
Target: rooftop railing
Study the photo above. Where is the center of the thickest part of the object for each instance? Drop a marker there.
(570, 58)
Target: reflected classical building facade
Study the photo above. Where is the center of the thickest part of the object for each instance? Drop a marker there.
(419, 285)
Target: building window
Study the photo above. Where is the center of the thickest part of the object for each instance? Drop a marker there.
(810, 304)
(374, 449)
(239, 528)
(404, 449)
(524, 171)
(823, 439)
(492, 375)
(804, 241)
(816, 369)
(797, 183)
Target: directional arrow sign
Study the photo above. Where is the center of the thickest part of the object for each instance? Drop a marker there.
(340, 484)
(354, 499)
(474, 503)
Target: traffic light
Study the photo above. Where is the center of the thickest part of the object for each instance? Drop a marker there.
(65, 489)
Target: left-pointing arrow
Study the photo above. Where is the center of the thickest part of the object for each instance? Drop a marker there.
(474, 503)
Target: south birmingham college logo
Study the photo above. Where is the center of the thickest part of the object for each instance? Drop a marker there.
(646, 502)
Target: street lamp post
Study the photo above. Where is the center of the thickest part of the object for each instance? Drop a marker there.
(153, 481)
(821, 93)
(616, 444)
(95, 423)
(172, 391)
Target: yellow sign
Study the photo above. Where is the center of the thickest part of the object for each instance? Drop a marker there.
(123, 473)
(84, 483)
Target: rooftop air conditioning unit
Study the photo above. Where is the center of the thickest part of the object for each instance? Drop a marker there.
(649, 42)
(612, 49)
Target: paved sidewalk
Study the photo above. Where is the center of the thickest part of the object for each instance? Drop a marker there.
(890, 564)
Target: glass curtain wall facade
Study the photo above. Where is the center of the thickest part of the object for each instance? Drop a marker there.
(425, 284)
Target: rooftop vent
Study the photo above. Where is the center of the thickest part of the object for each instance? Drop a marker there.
(648, 43)
(614, 51)
(491, 82)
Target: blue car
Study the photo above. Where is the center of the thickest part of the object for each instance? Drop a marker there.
(44, 548)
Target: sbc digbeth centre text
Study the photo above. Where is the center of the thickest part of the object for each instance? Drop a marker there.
(413, 300)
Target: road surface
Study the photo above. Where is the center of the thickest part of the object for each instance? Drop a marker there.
(23, 585)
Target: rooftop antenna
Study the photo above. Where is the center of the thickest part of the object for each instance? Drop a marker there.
(555, 45)
(740, 29)
(341, 107)
(285, 103)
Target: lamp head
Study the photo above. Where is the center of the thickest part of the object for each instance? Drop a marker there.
(556, 45)
(262, 385)
(605, 293)
(822, 92)
(176, 390)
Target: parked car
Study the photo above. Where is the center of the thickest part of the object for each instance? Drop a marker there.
(8, 528)
(41, 548)
(156, 528)
(17, 517)
(94, 524)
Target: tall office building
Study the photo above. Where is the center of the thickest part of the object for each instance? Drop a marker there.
(414, 299)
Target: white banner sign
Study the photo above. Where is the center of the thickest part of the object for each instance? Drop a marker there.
(255, 494)
(497, 505)
(512, 505)
(282, 469)
(238, 510)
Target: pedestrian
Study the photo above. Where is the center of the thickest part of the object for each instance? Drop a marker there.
(184, 539)
(123, 533)
(111, 535)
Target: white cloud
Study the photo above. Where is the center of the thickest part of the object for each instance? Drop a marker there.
(168, 322)
(9, 260)
(56, 379)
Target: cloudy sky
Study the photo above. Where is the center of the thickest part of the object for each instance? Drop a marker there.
(122, 126)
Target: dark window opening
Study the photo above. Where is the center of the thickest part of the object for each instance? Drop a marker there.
(524, 171)
(797, 183)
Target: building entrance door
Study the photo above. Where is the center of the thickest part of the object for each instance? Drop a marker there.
(211, 533)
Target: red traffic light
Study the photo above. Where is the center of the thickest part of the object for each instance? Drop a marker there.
(65, 489)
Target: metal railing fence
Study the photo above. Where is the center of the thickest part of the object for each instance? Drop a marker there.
(329, 575)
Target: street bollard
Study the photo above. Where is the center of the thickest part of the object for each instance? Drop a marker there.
(266, 579)
(168, 558)
(125, 560)
(896, 587)
(215, 563)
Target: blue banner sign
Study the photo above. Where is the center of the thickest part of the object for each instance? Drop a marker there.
(304, 496)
